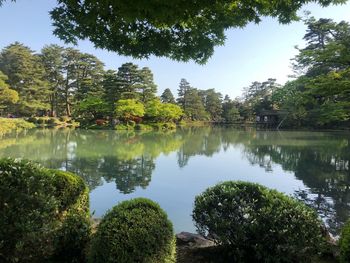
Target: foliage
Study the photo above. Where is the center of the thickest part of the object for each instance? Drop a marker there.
(344, 243)
(26, 76)
(7, 96)
(162, 28)
(167, 96)
(319, 97)
(157, 111)
(256, 223)
(46, 213)
(191, 102)
(126, 109)
(137, 230)
(170, 112)
(212, 102)
(10, 125)
(93, 108)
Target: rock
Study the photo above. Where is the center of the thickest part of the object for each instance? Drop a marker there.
(193, 240)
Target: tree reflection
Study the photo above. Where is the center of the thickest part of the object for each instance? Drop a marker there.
(322, 163)
(320, 160)
(128, 174)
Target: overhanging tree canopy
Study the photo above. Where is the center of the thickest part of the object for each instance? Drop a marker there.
(178, 29)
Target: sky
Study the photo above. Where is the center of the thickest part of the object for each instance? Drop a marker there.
(254, 53)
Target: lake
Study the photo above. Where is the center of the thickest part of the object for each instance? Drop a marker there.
(172, 167)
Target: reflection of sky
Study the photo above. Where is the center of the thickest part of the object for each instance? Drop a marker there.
(175, 188)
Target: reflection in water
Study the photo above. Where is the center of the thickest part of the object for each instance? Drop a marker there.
(128, 159)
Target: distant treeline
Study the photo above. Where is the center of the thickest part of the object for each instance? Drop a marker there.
(62, 81)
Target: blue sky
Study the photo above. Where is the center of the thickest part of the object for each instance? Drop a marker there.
(254, 53)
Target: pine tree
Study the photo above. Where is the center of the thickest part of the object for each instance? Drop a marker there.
(26, 75)
(167, 96)
(183, 90)
(146, 87)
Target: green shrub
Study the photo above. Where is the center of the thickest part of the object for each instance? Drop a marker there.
(131, 123)
(32, 119)
(122, 127)
(169, 126)
(41, 120)
(344, 243)
(143, 127)
(45, 212)
(10, 125)
(134, 231)
(53, 121)
(64, 118)
(256, 224)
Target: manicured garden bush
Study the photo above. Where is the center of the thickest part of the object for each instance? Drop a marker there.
(344, 243)
(44, 213)
(256, 224)
(134, 231)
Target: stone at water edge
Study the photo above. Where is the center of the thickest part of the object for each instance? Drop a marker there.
(193, 240)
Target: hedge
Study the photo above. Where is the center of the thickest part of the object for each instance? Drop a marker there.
(256, 224)
(137, 230)
(44, 213)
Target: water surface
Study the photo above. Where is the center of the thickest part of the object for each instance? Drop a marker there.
(173, 167)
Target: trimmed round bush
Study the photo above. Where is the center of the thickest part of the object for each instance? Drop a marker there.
(344, 243)
(255, 224)
(44, 213)
(134, 231)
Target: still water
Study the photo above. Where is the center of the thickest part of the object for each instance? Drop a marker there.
(171, 168)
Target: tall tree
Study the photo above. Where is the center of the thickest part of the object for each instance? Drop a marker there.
(7, 96)
(129, 80)
(112, 90)
(321, 92)
(146, 88)
(183, 94)
(230, 110)
(89, 74)
(167, 96)
(26, 75)
(194, 106)
(52, 60)
(212, 101)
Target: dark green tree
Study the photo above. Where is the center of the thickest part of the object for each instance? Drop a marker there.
(167, 96)
(129, 80)
(212, 102)
(147, 88)
(52, 60)
(194, 106)
(26, 75)
(7, 96)
(230, 110)
(182, 95)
